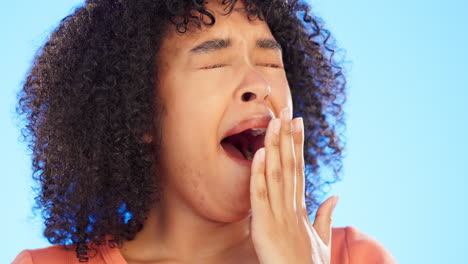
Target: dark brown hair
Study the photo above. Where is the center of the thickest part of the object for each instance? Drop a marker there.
(90, 97)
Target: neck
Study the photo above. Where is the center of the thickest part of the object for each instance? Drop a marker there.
(174, 231)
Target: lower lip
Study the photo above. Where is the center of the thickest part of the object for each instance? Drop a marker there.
(243, 162)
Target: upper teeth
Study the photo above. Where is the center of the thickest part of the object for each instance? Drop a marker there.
(257, 131)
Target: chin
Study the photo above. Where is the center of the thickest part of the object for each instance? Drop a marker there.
(231, 208)
(238, 210)
(234, 216)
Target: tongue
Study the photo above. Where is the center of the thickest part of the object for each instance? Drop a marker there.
(233, 151)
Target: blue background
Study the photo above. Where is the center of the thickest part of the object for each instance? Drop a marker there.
(404, 180)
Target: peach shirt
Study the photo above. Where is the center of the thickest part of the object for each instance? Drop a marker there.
(349, 246)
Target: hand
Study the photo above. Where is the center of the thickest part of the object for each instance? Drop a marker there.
(280, 229)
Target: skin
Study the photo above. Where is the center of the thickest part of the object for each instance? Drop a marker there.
(207, 201)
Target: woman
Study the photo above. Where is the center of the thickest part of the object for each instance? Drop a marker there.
(163, 132)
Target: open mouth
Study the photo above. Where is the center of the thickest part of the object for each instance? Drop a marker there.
(244, 144)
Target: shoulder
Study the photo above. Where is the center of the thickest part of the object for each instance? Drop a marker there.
(53, 254)
(62, 255)
(350, 245)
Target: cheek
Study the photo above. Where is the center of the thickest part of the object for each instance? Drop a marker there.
(280, 95)
(193, 165)
(217, 196)
(191, 183)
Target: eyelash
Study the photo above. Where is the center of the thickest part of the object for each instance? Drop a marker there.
(271, 65)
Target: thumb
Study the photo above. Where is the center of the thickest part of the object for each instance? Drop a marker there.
(323, 219)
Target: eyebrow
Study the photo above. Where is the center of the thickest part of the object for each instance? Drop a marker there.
(213, 45)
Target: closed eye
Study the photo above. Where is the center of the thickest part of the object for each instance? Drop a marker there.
(213, 66)
(270, 65)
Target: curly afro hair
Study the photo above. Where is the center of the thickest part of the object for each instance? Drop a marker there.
(89, 99)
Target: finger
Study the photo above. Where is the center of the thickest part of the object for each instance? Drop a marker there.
(288, 160)
(274, 174)
(298, 138)
(323, 219)
(259, 200)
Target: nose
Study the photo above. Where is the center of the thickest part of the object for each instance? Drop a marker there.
(253, 87)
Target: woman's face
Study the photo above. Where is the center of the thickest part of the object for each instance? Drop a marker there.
(213, 82)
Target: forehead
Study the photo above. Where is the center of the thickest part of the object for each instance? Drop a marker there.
(234, 26)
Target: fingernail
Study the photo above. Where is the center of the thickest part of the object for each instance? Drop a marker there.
(298, 124)
(276, 125)
(260, 155)
(285, 113)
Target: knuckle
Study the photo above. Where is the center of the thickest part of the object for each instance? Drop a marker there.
(274, 141)
(261, 194)
(298, 138)
(300, 165)
(318, 214)
(287, 130)
(290, 163)
(276, 175)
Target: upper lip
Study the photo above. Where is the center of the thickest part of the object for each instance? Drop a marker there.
(257, 121)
